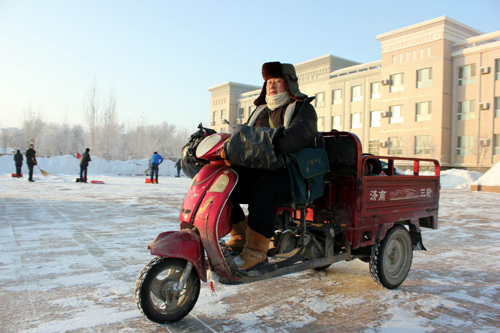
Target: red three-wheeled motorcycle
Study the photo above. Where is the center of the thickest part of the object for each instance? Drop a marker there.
(367, 212)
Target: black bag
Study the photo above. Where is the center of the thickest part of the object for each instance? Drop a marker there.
(307, 169)
(190, 164)
(252, 147)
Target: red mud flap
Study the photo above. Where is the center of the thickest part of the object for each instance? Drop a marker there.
(184, 244)
(15, 175)
(97, 182)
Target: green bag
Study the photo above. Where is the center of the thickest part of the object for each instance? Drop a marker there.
(306, 169)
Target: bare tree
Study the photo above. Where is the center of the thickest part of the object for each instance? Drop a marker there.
(91, 112)
(162, 137)
(6, 139)
(33, 126)
(111, 128)
(180, 138)
(51, 140)
(19, 139)
(77, 136)
(140, 146)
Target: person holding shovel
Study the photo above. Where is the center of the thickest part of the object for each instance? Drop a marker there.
(84, 164)
(31, 161)
(178, 166)
(156, 160)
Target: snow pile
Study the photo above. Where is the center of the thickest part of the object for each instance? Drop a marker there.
(455, 179)
(68, 164)
(458, 179)
(491, 177)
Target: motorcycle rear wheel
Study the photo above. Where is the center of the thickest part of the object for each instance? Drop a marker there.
(156, 294)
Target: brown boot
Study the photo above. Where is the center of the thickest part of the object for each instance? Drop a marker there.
(238, 236)
(254, 252)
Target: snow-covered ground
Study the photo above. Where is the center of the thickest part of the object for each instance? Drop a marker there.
(70, 254)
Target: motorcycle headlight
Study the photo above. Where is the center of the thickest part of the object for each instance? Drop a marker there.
(220, 184)
(207, 144)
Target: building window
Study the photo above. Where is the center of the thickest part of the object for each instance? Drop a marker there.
(465, 145)
(396, 114)
(496, 144)
(497, 106)
(424, 78)
(375, 117)
(467, 75)
(241, 115)
(466, 110)
(397, 82)
(337, 96)
(423, 111)
(320, 100)
(422, 144)
(375, 89)
(374, 147)
(395, 145)
(223, 114)
(214, 118)
(356, 94)
(497, 66)
(337, 123)
(321, 124)
(356, 120)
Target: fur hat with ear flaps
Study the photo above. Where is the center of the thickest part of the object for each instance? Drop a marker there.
(278, 70)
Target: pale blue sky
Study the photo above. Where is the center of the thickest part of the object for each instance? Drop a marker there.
(160, 57)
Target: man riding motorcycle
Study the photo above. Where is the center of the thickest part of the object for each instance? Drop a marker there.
(280, 104)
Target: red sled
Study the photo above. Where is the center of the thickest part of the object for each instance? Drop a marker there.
(15, 175)
(97, 182)
(148, 181)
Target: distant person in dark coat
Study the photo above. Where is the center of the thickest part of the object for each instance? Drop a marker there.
(156, 160)
(84, 163)
(18, 158)
(31, 161)
(178, 166)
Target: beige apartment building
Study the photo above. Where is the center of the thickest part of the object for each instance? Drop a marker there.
(435, 93)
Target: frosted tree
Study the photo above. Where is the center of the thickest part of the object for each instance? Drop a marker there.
(50, 144)
(6, 139)
(18, 140)
(91, 112)
(111, 129)
(139, 145)
(179, 140)
(162, 137)
(63, 137)
(33, 126)
(123, 146)
(77, 139)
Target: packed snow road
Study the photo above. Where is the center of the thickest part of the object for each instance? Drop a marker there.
(70, 254)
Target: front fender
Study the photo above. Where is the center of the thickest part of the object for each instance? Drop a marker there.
(184, 244)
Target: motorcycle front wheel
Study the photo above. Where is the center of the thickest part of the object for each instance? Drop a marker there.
(157, 294)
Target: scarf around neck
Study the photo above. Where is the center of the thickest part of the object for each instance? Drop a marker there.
(275, 101)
